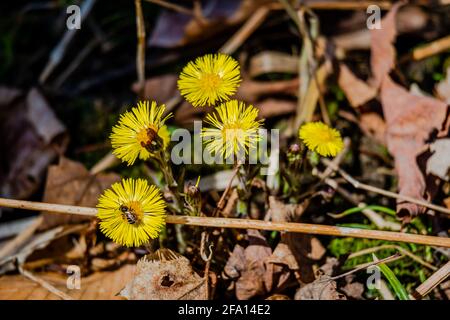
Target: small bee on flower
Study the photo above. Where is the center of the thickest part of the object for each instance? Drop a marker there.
(235, 129)
(322, 139)
(131, 212)
(209, 79)
(140, 132)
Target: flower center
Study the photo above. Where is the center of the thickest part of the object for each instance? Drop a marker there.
(233, 131)
(146, 137)
(325, 136)
(210, 81)
(132, 212)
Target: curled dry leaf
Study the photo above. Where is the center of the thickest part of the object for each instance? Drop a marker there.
(248, 267)
(323, 288)
(410, 120)
(70, 183)
(165, 275)
(33, 136)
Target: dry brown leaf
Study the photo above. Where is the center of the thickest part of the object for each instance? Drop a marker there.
(252, 91)
(382, 58)
(248, 267)
(356, 90)
(409, 19)
(98, 286)
(175, 29)
(354, 290)
(282, 212)
(70, 183)
(410, 120)
(33, 136)
(373, 125)
(296, 251)
(274, 108)
(278, 297)
(37, 242)
(160, 89)
(272, 62)
(165, 275)
(323, 288)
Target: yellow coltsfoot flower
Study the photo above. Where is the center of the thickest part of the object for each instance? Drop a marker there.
(140, 132)
(131, 212)
(209, 79)
(235, 129)
(322, 139)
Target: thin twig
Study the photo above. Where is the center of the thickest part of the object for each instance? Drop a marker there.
(431, 48)
(360, 185)
(393, 246)
(366, 265)
(221, 202)
(45, 284)
(370, 214)
(248, 224)
(140, 54)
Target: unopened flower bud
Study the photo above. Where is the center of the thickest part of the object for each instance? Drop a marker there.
(294, 156)
(193, 198)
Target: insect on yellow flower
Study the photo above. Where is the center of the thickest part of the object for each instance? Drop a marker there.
(322, 139)
(131, 212)
(140, 132)
(234, 130)
(209, 79)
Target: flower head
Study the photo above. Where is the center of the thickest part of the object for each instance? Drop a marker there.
(322, 139)
(210, 79)
(131, 212)
(139, 132)
(234, 129)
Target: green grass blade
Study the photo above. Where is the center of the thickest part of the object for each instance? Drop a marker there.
(399, 289)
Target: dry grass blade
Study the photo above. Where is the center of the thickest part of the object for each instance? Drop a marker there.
(435, 279)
